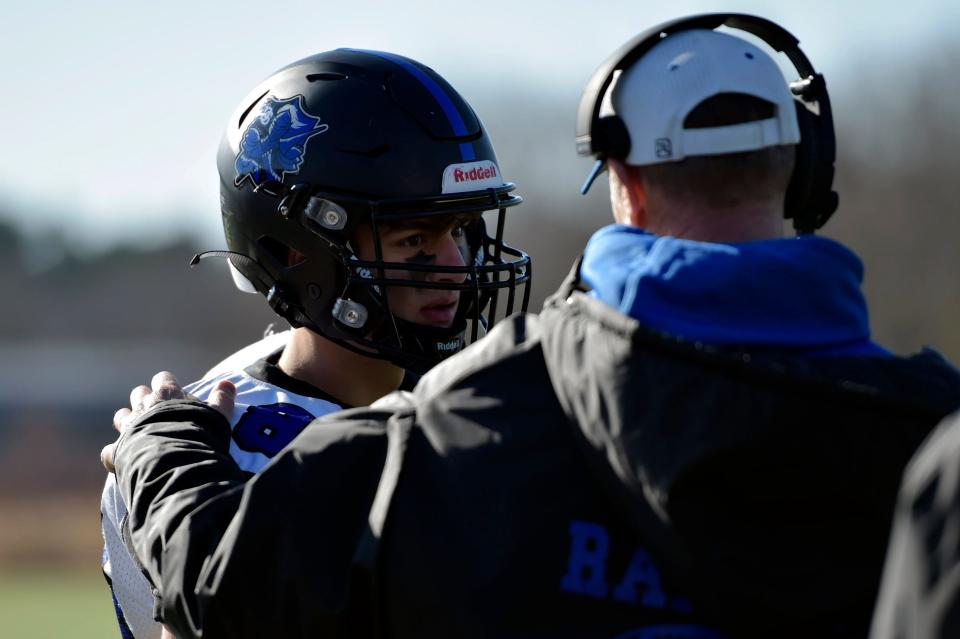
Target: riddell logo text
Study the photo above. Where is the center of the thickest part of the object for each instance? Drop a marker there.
(448, 346)
(474, 174)
(470, 176)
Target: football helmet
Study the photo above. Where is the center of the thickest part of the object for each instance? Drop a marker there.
(352, 137)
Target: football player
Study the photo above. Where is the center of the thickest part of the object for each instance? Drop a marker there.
(353, 185)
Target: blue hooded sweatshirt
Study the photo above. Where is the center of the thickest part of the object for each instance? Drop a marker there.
(799, 295)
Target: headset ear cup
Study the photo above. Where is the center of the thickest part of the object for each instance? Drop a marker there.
(612, 137)
(810, 201)
(798, 201)
(825, 199)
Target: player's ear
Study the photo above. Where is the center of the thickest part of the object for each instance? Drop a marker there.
(294, 257)
(361, 241)
(628, 197)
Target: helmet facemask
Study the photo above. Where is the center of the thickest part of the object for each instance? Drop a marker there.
(362, 312)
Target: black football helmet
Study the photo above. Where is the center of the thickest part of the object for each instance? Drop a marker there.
(352, 137)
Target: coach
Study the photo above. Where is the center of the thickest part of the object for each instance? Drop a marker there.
(695, 438)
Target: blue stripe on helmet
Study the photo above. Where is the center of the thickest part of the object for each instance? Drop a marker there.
(456, 122)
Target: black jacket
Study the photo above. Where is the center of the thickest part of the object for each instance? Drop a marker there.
(571, 475)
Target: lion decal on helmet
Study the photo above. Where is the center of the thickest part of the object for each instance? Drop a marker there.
(275, 141)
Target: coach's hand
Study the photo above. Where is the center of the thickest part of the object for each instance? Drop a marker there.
(162, 387)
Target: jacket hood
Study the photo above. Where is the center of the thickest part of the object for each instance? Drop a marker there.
(789, 294)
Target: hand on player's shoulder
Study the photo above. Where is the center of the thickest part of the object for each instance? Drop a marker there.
(164, 386)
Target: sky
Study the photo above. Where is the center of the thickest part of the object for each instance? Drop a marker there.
(111, 112)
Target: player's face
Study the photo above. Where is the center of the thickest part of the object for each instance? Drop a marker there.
(430, 240)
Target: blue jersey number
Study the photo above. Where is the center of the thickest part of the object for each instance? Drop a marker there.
(267, 429)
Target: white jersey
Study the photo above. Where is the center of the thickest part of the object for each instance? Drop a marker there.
(271, 409)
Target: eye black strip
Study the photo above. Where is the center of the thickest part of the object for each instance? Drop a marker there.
(421, 258)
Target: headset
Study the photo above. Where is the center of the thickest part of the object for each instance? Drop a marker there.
(810, 199)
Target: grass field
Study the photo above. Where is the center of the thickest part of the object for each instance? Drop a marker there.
(70, 604)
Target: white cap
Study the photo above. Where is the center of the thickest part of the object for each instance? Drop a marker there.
(655, 95)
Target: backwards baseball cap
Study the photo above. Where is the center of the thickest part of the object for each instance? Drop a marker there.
(654, 96)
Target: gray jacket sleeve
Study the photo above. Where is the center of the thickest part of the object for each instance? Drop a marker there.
(920, 593)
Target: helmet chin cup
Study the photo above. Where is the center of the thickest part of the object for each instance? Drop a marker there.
(426, 345)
